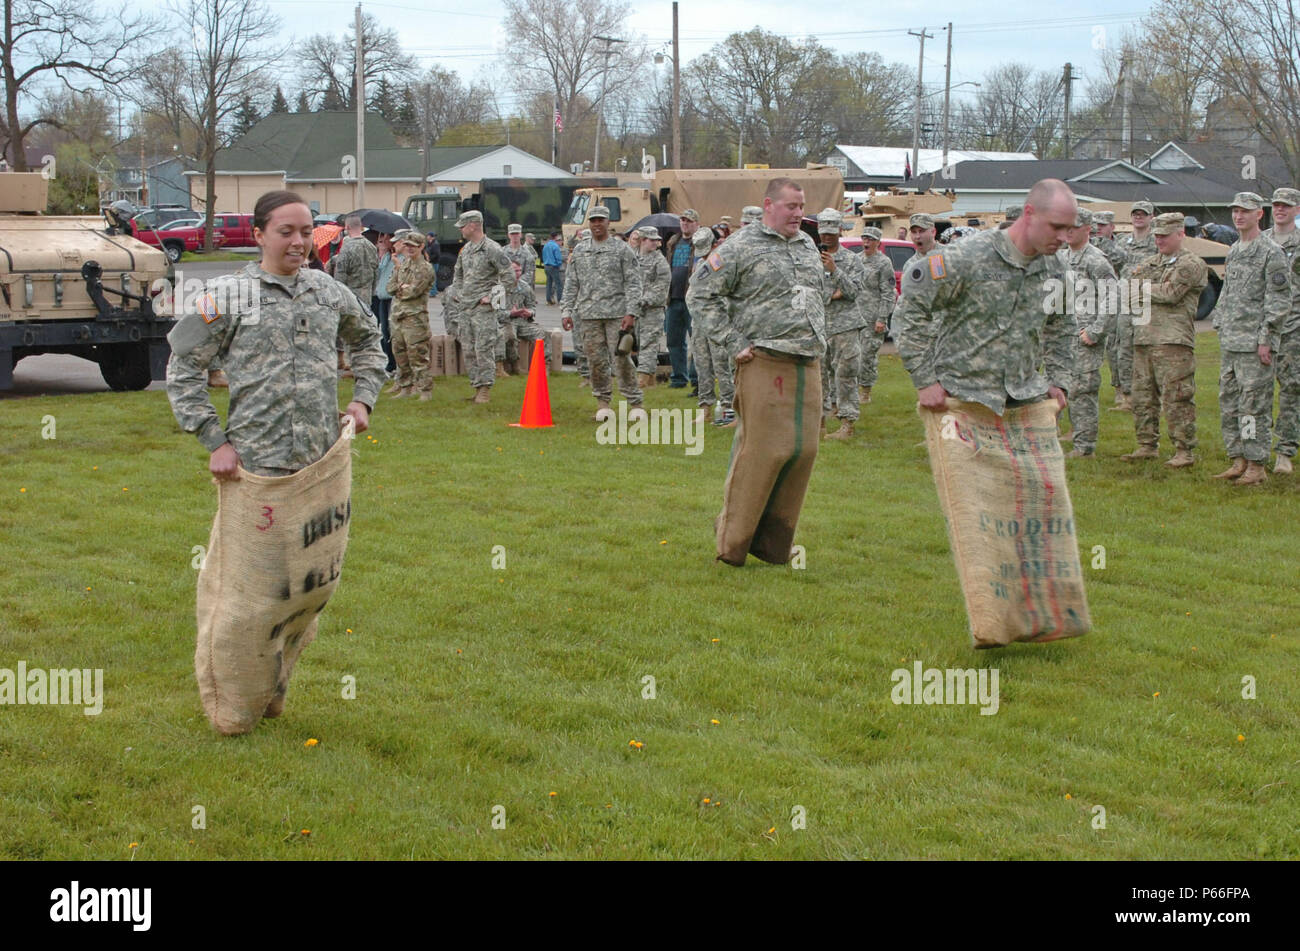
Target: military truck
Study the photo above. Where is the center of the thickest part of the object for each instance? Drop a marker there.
(538, 204)
(78, 285)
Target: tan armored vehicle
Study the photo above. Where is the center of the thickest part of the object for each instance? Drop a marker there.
(77, 285)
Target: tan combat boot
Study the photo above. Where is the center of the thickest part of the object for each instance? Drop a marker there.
(1283, 465)
(1233, 471)
(644, 380)
(398, 393)
(864, 394)
(602, 411)
(1123, 404)
(844, 432)
(501, 369)
(1255, 474)
(482, 394)
(425, 396)
(1141, 452)
(1181, 459)
(217, 378)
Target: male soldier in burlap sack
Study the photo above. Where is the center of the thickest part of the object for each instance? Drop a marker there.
(1093, 292)
(1252, 309)
(655, 278)
(277, 345)
(1164, 358)
(877, 302)
(408, 317)
(762, 294)
(482, 268)
(844, 323)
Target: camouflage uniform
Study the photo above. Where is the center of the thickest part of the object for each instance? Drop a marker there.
(525, 330)
(603, 284)
(1090, 265)
(655, 278)
(1135, 252)
(844, 325)
(482, 270)
(356, 265)
(1164, 358)
(972, 319)
(1287, 359)
(282, 365)
(409, 320)
(877, 303)
(1252, 309)
(715, 371)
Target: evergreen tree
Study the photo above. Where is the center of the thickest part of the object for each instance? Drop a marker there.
(246, 116)
(383, 101)
(406, 121)
(304, 104)
(279, 103)
(331, 101)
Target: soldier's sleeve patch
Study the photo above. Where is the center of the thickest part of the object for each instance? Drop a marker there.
(937, 269)
(208, 310)
(715, 262)
(1279, 278)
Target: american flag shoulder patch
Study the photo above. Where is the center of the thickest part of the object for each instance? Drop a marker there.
(208, 309)
(937, 269)
(715, 262)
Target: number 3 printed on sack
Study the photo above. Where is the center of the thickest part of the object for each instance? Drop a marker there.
(267, 518)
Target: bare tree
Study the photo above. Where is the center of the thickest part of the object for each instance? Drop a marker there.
(67, 40)
(1015, 105)
(331, 64)
(551, 49)
(201, 86)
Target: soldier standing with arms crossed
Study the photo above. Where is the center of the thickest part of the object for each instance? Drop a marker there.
(877, 303)
(655, 278)
(1164, 357)
(409, 317)
(844, 324)
(1085, 262)
(762, 294)
(481, 266)
(1136, 248)
(1249, 316)
(1287, 237)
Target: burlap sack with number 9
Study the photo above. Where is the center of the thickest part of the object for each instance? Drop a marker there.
(275, 555)
(1001, 484)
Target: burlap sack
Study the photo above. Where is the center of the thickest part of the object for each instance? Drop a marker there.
(1001, 483)
(778, 403)
(275, 555)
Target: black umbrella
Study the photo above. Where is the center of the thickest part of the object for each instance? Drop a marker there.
(662, 220)
(382, 221)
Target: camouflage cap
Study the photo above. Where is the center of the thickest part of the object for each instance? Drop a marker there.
(725, 219)
(1171, 222)
(1014, 211)
(871, 234)
(409, 236)
(1247, 200)
(690, 214)
(469, 217)
(702, 239)
(1144, 206)
(1190, 222)
(649, 232)
(1286, 196)
(1103, 217)
(600, 211)
(1082, 217)
(515, 229)
(751, 214)
(828, 221)
(921, 220)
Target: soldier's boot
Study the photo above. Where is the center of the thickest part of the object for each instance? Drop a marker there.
(1141, 452)
(1066, 437)
(399, 392)
(425, 396)
(1080, 454)
(1283, 465)
(584, 382)
(1181, 459)
(1233, 471)
(844, 432)
(864, 394)
(482, 394)
(645, 380)
(501, 369)
(1123, 404)
(1255, 474)
(514, 369)
(217, 378)
(602, 411)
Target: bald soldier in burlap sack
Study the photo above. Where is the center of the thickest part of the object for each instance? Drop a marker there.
(762, 295)
(976, 322)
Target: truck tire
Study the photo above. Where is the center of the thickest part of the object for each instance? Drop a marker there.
(125, 366)
(1209, 297)
(173, 250)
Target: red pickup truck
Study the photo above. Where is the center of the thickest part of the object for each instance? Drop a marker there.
(173, 241)
(236, 230)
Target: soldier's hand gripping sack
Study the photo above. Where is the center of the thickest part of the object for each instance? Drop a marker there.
(275, 555)
(1001, 484)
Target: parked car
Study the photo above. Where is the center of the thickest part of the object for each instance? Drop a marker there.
(181, 223)
(236, 230)
(174, 242)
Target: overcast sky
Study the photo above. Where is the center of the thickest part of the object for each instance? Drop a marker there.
(1044, 34)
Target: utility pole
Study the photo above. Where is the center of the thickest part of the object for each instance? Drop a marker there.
(1069, 86)
(555, 104)
(947, 91)
(360, 96)
(609, 42)
(916, 118)
(677, 94)
(1124, 144)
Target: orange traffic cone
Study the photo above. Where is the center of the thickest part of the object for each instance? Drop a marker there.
(536, 413)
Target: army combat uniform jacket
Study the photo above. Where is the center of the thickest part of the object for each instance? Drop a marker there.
(1256, 297)
(603, 281)
(1176, 285)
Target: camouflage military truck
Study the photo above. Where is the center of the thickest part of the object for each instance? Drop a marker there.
(76, 285)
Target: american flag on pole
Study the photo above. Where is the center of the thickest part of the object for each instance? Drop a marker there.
(559, 123)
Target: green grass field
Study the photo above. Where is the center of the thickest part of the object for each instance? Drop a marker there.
(522, 688)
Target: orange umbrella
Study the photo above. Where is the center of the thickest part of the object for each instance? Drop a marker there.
(322, 235)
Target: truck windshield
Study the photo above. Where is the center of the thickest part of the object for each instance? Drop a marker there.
(578, 209)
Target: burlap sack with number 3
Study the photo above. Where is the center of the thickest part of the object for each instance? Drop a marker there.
(275, 556)
(1001, 484)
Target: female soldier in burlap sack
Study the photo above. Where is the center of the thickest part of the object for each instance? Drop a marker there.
(282, 470)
